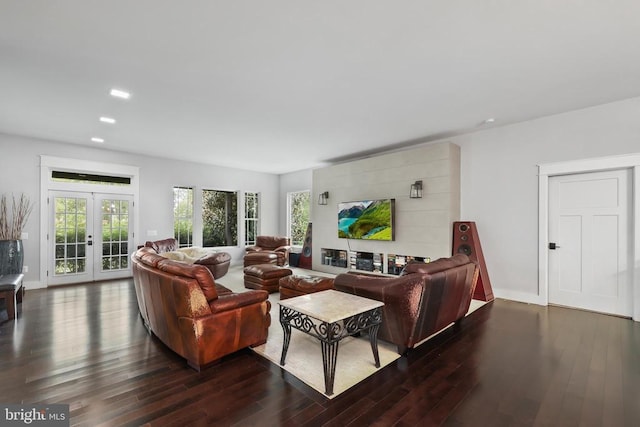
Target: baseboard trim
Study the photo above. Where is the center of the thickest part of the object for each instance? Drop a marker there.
(31, 285)
(519, 296)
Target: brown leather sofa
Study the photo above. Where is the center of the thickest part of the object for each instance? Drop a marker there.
(197, 318)
(274, 244)
(217, 262)
(426, 298)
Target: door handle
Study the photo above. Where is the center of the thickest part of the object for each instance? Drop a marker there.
(553, 246)
(89, 243)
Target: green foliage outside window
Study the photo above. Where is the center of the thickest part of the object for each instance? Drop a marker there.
(299, 205)
(219, 218)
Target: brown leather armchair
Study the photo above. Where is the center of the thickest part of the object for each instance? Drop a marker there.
(274, 244)
(217, 262)
(426, 298)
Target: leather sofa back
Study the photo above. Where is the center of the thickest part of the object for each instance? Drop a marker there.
(165, 245)
(217, 262)
(435, 266)
(422, 301)
(198, 319)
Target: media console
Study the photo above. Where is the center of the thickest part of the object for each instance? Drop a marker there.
(367, 261)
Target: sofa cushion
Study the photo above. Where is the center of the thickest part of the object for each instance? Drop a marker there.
(197, 252)
(435, 266)
(198, 256)
(222, 290)
(178, 256)
(198, 272)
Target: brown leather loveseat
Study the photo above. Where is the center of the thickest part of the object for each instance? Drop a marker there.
(194, 316)
(217, 262)
(280, 246)
(426, 298)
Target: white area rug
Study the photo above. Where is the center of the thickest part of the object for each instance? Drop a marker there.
(304, 358)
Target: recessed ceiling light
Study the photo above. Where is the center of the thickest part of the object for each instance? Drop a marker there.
(489, 120)
(120, 93)
(107, 120)
(96, 139)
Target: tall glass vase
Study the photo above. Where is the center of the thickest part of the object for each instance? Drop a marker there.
(11, 256)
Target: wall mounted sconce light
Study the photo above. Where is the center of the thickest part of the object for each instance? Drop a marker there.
(323, 197)
(416, 190)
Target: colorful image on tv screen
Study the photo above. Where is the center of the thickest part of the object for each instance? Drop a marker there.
(366, 219)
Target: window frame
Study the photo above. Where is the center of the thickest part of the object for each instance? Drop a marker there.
(250, 195)
(234, 212)
(188, 219)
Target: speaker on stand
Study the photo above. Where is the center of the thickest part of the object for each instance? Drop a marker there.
(305, 255)
(466, 241)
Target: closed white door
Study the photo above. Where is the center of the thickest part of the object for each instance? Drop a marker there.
(90, 235)
(589, 263)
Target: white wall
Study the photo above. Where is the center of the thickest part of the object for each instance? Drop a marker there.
(422, 226)
(499, 182)
(20, 167)
(499, 186)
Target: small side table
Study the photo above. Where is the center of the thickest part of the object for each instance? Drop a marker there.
(330, 316)
(10, 286)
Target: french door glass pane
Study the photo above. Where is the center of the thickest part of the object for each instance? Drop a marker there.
(70, 235)
(115, 234)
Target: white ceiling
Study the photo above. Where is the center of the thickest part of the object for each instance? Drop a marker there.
(278, 86)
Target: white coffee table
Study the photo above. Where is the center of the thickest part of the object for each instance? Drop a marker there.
(330, 316)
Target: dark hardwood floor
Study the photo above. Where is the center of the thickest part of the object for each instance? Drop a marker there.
(507, 364)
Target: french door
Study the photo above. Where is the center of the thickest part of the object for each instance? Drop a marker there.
(90, 236)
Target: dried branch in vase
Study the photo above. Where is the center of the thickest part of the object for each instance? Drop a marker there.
(11, 227)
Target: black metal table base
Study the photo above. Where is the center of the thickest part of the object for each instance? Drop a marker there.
(330, 335)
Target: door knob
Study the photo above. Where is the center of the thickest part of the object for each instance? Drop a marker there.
(553, 246)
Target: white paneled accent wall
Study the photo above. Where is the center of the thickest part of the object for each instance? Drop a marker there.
(422, 226)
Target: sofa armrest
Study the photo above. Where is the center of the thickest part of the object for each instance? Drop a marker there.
(253, 249)
(395, 291)
(218, 263)
(402, 298)
(282, 249)
(214, 258)
(237, 300)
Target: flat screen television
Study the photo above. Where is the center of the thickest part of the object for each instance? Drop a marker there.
(367, 219)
